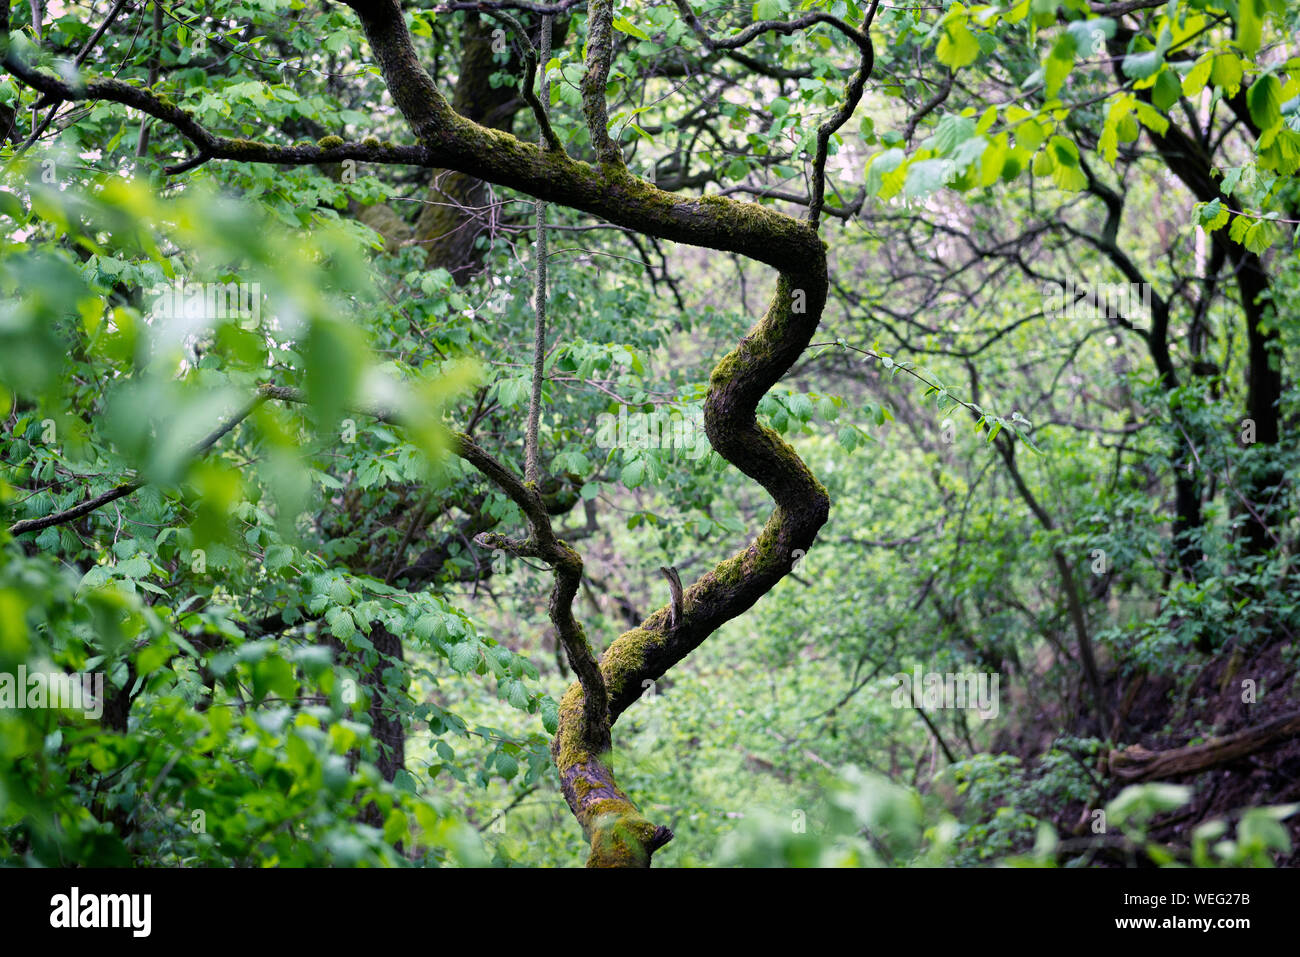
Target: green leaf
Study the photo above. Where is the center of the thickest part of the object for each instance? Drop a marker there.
(952, 131)
(1260, 236)
(1059, 63)
(1237, 231)
(1111, 134)
(340, 593)
(273, 675)
(550, 715)
(340, 623)
(1140, 66)
(1150, 117)
(425, 625)
(153, 657)
(1264, 98)
(1030, 135)
(506, 765)
(1065, 151)
(1196, 78)
(136, 567)
(1213, 215)
(464, 657)
(993, 161)
(1167, 90)
(1250, 23)
(12, 206)
(623, 25)
(1142, 801)
(634, 473)
(957, 47)
(927, 176)
(879, 165)
(1226, 73)
(518, 695)
(277, 556)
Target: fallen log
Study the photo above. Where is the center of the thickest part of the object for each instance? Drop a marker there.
(1141, 764)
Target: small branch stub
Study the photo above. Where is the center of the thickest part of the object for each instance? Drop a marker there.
(675, 586)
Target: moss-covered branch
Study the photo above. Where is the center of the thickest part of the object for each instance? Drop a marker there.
(619, 834)
(566, 564)
(612, 192)
(600, 54)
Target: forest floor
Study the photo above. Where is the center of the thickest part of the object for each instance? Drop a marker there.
(1232, 734)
